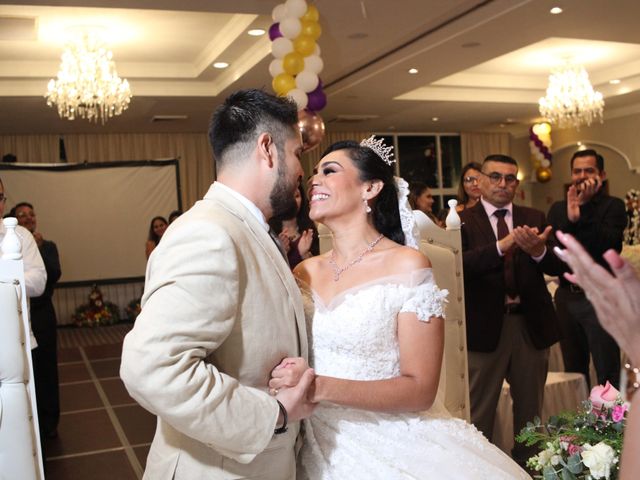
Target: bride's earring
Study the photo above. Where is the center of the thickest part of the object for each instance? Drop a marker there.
(367, 208)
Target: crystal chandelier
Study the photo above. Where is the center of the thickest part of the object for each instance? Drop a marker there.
(88, 85)
(571, 100)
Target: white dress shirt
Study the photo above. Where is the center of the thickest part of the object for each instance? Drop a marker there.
(35, 275)
(248, 204)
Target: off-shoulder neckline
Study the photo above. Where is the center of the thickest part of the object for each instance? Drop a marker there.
(411, 279)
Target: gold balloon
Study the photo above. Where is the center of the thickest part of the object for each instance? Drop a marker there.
(282, 83)
(543, 174)
(312, 14)
(304, 45)
(311, 128)
(293, 63)
(313, 29)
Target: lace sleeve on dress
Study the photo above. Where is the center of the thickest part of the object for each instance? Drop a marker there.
(425, 300)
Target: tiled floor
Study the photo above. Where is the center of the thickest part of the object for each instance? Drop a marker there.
(103, 433)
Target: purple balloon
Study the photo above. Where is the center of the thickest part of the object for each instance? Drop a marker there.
(274, 31)
(317, 100)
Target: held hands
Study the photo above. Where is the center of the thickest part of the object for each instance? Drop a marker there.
(291, 383)
(530, 241)
(616, 298)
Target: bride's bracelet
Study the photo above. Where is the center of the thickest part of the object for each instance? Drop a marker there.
(633, 379)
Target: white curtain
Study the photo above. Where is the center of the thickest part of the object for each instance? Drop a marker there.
(193, 150)
(31, 148)
(476, 146)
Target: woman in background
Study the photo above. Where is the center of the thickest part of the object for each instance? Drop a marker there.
(421, 198)
(156, 230)
(296, 231)
(468, 188)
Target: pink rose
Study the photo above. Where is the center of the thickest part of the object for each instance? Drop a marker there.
(617, 414)
(603, 396)
(573, 449)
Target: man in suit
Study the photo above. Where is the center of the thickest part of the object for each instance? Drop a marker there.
(510, 317)
(44, 325)
(221, 309)
(597, 220)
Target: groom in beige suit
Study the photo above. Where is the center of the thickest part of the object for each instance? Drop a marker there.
(221, 309)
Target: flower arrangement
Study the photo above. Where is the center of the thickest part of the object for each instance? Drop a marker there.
(97, 312)
(580, 445)
(133, 309)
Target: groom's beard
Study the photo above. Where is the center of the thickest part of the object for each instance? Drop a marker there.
(282, 197)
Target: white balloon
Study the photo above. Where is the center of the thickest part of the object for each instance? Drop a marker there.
(296, 8)
(279, 12)
(317, 50)
(307, 81)
(313, 63)
(545, 163)
(275, 67)
(299, 97)
(290, 27)
(539, 156)
(281, 46)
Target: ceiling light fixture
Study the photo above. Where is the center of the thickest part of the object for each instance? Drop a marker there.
(413, 71)
(88, 85)
(615, 81)
(434, 119)
(570, 100)
(555, 11)
(220, 65)
(256, 32)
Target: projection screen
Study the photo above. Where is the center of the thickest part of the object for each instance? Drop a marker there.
(98, 214)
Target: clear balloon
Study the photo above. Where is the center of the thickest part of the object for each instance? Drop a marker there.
(274, 31)
(290, 27)
(275, 67)
(279, 12)
(283, 83)
(293, 63)
(299, 97)
(296, 8)
(281, 46)
(311, 128)
(307, 81)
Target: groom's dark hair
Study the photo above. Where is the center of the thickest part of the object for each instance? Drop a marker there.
(384, 207)
(243, 116)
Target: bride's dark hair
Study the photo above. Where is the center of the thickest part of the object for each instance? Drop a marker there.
(384, 207)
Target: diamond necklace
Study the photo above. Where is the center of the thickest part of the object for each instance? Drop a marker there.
(337, 271)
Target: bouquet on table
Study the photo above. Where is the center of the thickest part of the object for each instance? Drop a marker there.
(580, 445)
(97, 312)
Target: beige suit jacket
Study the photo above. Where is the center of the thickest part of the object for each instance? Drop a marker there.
(220, 309)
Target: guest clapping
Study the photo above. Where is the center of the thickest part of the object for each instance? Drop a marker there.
(156, 230)
(296, 231)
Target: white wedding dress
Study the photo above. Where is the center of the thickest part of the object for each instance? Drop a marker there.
(355, 337)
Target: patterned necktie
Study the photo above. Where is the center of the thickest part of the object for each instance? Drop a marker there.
(509, 275)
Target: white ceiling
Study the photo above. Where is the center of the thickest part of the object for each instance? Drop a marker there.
(482, 64)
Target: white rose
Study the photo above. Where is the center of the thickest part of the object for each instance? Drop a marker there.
(598, 459)
(544, 457)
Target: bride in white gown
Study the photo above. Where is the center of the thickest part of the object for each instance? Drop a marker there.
(376, 340)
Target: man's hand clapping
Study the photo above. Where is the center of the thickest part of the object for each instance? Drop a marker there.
(530, 240)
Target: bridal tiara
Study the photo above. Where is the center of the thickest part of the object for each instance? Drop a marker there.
(378, 146)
